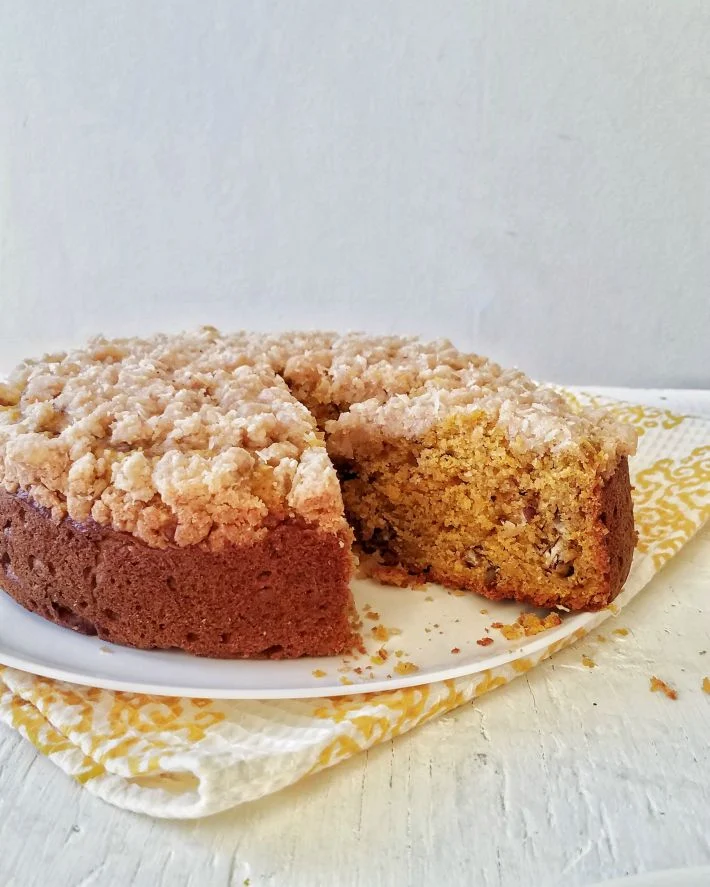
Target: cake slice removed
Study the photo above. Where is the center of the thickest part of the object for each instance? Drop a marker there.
(479, 479)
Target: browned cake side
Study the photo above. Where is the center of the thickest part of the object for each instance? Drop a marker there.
(283, 597)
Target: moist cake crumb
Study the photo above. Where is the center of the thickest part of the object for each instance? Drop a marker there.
(659, 686)
(404, 668)
(532, 624)
(381, 633)
(527, 625)
(396, 576)
(510, 632)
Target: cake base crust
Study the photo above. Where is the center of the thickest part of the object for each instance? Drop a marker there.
(284, 596)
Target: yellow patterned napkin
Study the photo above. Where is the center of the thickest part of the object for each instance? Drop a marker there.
(192, 757)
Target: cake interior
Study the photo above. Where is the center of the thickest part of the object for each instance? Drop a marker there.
(465, 509)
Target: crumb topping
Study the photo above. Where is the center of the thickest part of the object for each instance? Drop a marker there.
(203, 438)
(176, 439)
(404, 387)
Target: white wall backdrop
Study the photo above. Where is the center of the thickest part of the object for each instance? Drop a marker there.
(531, 179)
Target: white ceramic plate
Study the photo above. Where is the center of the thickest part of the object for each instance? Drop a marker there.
(432, 622)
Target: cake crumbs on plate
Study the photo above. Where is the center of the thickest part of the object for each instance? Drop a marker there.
(455, 650)
(587, 662)
(382, 633)
(532, 624)
(484, 642)
(428, 598)
(372, 614)
(397, 576)
(706, 685)
(659, 686)
(527, 625)
(484, 612)
(346, 681)
(510, 632)
(318, 673)
(601, 639)
(406, 668)
(621, 632)
(399, 653)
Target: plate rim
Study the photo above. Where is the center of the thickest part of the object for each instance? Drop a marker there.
(536, 644)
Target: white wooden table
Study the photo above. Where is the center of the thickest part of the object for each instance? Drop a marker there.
(567, 776)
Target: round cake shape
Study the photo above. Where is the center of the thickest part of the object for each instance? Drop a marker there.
(180, 491)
